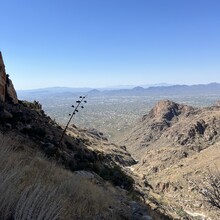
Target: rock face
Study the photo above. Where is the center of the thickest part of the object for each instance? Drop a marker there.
(2, 79)
(173, 124)
(7, 91)
(176, 146)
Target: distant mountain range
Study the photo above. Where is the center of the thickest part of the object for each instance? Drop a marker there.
(163, 90)
(199, 89)
(60, 89)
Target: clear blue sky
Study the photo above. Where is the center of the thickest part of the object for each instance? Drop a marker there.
(98, 43)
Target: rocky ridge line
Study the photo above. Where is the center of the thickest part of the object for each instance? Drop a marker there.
(176, 145)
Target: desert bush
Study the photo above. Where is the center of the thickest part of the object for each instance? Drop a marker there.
(32, 105)
(211, 188)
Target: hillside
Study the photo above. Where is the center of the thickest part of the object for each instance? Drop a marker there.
(29, 142)
(177, 146)
(81, 177)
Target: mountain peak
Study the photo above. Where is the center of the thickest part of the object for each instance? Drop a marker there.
(165, 109)
(138, 88)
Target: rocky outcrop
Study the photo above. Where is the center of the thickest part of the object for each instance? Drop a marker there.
(11, 95)
(7, 91)
(2, 79)
(168, 110)
(173, 124)
(176, 146)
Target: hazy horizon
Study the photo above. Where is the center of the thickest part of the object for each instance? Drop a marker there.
(117, 87)
(102, 44)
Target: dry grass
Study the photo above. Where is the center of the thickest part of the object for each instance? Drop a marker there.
(32, 187)
(38, 202)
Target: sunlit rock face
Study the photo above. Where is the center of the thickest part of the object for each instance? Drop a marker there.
(7, 91)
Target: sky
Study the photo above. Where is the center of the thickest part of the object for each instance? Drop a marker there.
(101, 43)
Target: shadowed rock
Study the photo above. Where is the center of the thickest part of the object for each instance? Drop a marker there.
(7, 91)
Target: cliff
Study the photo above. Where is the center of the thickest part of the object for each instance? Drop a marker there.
(7, 91)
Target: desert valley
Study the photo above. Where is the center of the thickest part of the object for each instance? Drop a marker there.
(110, 110)
(154, 156)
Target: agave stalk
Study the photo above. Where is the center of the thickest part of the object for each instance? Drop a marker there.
(75, 109)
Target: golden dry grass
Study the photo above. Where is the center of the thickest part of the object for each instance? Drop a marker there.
(32, 187)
